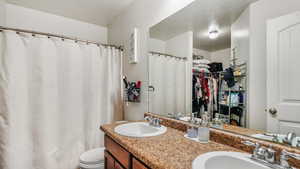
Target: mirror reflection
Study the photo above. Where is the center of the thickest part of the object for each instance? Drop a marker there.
(208, 61)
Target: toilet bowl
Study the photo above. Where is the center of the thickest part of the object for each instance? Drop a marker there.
(92, 159)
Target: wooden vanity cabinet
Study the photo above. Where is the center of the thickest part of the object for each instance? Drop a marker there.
(137, 165)
(116, 157)
(118, 166)
(109, 161)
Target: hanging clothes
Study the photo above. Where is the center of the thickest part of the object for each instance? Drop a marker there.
(205, 86)
(215, 93)
(229, 77)
(205, 93)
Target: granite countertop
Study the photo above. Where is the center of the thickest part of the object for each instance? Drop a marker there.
(168, 151)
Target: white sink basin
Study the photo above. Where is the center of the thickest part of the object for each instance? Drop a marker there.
(226, 160)
(139, 129)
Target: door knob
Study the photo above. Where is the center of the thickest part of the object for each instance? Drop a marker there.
(273, 111)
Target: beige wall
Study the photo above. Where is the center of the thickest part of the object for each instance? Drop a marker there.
(2, 12)
(156, 45)
(25, 18)
(141, 14)
(204, 53)
(221, 56)
(181, 45)
(240, 40)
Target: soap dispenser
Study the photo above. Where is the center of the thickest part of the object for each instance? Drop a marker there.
(217, 122)
(192, 132)
(203, 130)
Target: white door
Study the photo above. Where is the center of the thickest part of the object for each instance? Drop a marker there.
(283, 77)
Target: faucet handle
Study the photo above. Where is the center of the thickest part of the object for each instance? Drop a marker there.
(284, 156)
(157, 122)
(270, 154)
(258, 152)
(298, 143)
(289, 138)
(148, 118)
(250, 143)
(289, 154)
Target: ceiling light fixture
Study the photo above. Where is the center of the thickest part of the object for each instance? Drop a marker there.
(213, 34)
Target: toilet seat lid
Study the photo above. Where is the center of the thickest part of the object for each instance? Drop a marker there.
(94, 156)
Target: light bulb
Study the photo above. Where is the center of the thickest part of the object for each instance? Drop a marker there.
(213, 34)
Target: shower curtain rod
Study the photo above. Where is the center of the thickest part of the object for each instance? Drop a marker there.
(58, 36)
(164, 54)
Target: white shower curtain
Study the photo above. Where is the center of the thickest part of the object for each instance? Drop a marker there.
(168, 76)
(54, 95)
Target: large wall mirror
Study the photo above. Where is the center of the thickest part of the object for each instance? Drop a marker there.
(200, 62)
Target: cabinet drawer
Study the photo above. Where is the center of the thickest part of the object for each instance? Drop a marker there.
(137, 165)
(117, 151)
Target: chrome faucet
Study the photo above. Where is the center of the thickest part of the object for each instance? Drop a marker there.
(284, 156)
(270, 155)
(289, 138)
(266, 156)
(261, 153)
(155, 122)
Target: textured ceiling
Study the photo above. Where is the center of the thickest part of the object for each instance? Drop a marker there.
(100, 12)
(198, 17)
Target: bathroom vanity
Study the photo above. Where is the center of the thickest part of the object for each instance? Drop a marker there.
(168, 151)
(171, 150)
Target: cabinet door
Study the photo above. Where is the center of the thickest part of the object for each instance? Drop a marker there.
(138, 165)
(117, 151)
(109, 161)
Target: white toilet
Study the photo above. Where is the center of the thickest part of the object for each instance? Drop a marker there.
(92, 159)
